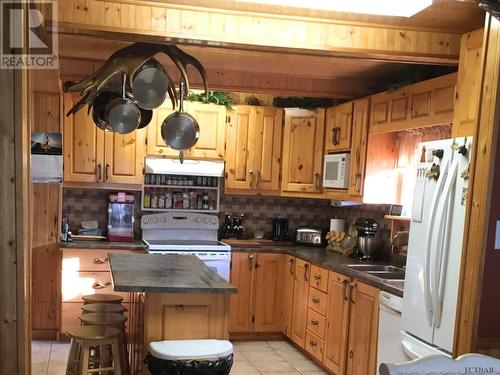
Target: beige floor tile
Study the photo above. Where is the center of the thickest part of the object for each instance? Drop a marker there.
(319, 372)
(255, 357)
(39, 368)
(57, 368)
(246, 346)
(275, 366)
(243, 368)
(292, 355)
(304, 365)
(281, 345)
(239, 357)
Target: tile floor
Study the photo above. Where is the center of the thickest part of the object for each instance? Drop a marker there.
(250, 358)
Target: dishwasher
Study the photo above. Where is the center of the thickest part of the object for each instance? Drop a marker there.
(390, 349)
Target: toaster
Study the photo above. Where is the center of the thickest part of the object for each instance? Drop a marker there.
(310, 236)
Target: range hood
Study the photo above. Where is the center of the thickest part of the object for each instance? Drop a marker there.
(188, 168)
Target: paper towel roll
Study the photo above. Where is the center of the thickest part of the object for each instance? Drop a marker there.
(337, 225)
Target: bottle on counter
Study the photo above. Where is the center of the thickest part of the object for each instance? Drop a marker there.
(147, 199)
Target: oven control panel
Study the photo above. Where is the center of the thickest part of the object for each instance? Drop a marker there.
(175, 220)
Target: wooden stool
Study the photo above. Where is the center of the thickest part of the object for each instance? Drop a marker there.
(102, 298)
(103, 308)
(115, 321)
(83, 339)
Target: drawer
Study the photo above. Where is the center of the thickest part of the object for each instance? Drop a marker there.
(75, 284)
(317, 301)
(314, 346)
(90, 259)
(316, 323)
(71, 311)
(319, 278)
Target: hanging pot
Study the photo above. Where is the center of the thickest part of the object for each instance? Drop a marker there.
(180, 130)
(122, 114)
(150, 85)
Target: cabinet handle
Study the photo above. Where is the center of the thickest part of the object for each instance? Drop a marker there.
(100, 261)
(357, 182)
(337, 136)
(99, 172)
(351, 354)
(257, 179)
(291, 261)
(106, 176)
(317, 177)
(317, 276)
(251, 178)
(313, 343)
(251, 258)
(334, 138)
(351, 295)
(315, 300)
(345, 283)
(98, 285)
(314, 322)
(306, 274)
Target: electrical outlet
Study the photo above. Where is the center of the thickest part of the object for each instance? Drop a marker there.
(497, 236)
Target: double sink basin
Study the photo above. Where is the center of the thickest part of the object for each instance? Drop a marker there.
(390, 275)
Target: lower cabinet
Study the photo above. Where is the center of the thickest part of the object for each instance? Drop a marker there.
(300, 301)
(289, 282)
(258, 305)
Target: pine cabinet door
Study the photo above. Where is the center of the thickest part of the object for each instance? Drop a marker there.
(241, 149)
(359, 147)
(155, 143)
(303, 150)
(212, 121)
(338, 128)
(241, 304)
(268, 145)
(83, 145)
(124, 157)
(289, 280)
(337, 326)
(363, 330)
(300, 299)
(269, 292)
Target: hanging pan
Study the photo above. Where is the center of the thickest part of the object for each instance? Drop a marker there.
(122, 114)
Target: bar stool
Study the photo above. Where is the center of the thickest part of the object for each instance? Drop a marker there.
(102, 298)
(103, 308)
(80, 360)
(111, 320)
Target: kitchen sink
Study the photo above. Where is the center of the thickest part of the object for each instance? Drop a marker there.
(399, 284)
(393, 275)
(374, 268)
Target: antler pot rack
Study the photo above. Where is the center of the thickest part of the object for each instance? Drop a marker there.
(144, 85)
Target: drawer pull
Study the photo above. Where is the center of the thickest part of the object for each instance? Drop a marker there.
(314, 322)
(315, 300)
(100, 261)
(313, 343)
(317, 276)
(98, 285)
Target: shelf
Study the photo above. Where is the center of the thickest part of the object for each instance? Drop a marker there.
(179, 210)
(397, 218)
(182, 187)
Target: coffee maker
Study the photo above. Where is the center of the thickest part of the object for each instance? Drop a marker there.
(280, 229)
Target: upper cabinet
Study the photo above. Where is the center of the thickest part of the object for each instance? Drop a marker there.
(253, 149)
(303, 150)
(210, 117)
(338, 128)
(423, 104)
(357, 167)
(468, 84)
(95, 156)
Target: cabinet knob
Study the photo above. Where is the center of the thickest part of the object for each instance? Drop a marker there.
(98, 285)
(351, 354)
(317, 276)
(315, 300)
(313, 343)
(314, 322)
(100, 261)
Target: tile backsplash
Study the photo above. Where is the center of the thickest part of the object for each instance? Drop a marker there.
(87, 204)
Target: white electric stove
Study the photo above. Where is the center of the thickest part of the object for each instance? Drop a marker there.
(187, 234)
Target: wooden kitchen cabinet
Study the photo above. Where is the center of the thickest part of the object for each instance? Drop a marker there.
(467, 96)
(210, 117)
(300, 301)
(253, 149)
(422, 104)
(338, 128)
(357, 167)
(95, 156)
(363, 330)
(303, 150)
(289, 282)
(258, 305)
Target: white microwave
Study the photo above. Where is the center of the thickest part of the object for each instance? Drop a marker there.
(336, 171)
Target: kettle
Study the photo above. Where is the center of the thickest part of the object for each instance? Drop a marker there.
(280, 229)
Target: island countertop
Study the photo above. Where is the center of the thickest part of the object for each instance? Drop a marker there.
(162, 273)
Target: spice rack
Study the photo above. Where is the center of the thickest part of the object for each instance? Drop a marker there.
(180, 193)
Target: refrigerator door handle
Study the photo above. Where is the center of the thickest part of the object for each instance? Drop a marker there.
(438, 271)
(428, 294)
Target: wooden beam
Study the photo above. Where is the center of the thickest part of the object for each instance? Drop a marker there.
(480, 192)
(163, 22)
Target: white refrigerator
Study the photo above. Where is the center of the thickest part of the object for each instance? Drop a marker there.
(435, 247)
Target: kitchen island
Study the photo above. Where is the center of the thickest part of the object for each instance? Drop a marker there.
(175, 297)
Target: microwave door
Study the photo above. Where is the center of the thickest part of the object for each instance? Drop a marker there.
(332, 169)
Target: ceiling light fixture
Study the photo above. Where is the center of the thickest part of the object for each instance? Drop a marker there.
(398, 8)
